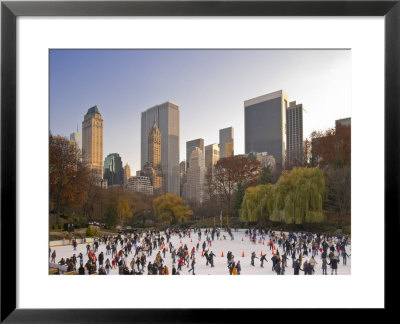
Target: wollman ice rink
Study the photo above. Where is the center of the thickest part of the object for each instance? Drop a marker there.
(257, 190)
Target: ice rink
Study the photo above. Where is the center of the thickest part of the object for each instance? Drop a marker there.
(239, 246)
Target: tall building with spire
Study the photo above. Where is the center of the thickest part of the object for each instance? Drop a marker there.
(166, 116)
(92, 141)
(153, 167)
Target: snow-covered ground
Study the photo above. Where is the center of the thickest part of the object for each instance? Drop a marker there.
(241, 244)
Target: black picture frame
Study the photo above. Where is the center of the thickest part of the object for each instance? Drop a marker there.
(10, 10)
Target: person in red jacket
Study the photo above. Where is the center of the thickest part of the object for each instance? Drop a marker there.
(180, 262)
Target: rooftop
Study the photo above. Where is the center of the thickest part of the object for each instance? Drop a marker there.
(93, 110)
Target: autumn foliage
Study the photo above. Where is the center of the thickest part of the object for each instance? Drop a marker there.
(68, 178)
(332, 146)
(231, 172)
(171, 208)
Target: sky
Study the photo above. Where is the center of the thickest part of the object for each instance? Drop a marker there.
(210, 86)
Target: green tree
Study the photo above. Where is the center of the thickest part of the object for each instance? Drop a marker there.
(266, 176)
(171, 208)
(299, 196)
(257, 203)
(238, 198)
(89, 232)
(110, 216)
(295, 199)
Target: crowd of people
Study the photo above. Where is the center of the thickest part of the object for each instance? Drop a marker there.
(147, 251)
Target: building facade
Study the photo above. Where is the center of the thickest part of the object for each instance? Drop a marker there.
(265, 125)
(140, 184)
(76, 137)
(266, 160)
(182, 175)
(191, 145)
(152, 168)
(166, 116)
(226, 142)
(211, 157)
(193, 189)
(343, 122)
(92, 141)
(294, 134)
(113, 170)
(127, 173)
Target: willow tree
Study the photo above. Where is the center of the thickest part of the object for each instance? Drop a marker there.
(257, 203)
(298, 196)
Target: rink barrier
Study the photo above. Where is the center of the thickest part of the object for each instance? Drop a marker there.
(67, 242)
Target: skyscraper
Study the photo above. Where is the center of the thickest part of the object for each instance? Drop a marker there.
(166, 116)
(92, 141)
(294, 133)
(193, 189)
(226, 144)
(191, 145)
(265, 125)
(113, 170)
(127, 173)
(211, 157)
(154, 146)
(152, 168)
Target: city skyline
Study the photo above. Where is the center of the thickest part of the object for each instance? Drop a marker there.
(224, 80)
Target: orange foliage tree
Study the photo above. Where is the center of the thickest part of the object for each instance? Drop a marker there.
(67, 176)
(231, 172)
(332, 147)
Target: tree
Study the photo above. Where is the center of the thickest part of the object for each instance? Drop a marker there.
(124, 210)
(110, 216)
(238, 198)
(231, 171)
(295, 199)
(68, 178)
(91, 197)
(257, 203)
(298, 197)
(339, 191)
(142, 207)
(266, 176)
(332, 146)
(171, 208)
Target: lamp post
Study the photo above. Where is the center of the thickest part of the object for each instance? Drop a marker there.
(101, 199)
